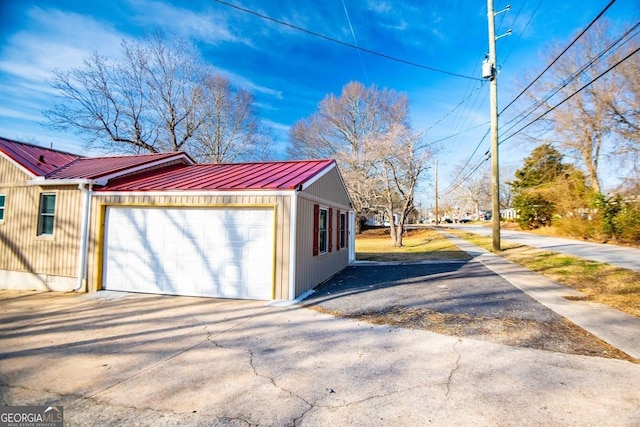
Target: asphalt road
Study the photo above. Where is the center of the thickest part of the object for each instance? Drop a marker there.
(620, 256)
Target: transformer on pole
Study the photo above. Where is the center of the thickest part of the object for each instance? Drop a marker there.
(489, 72)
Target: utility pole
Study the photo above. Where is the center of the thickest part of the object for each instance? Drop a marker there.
(437, 212)
(489, 71)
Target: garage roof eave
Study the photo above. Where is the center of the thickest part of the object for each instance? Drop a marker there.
(258, 176)
(192, 192)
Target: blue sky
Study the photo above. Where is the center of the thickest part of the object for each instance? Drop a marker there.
(288, 71)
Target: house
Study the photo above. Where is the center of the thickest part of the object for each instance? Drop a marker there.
(160, 223)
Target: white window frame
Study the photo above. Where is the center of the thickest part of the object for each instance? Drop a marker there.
(42, 215)
(342, 227)
(323, 234)
(3, 210)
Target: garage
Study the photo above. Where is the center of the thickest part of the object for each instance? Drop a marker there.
(195, 251)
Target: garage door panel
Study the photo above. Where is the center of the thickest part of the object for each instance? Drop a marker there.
(190, 251)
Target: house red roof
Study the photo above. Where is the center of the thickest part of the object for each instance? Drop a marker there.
(36, 159)
(96, 167)
(286, 175)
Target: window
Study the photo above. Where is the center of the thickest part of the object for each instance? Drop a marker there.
(47, 214)
(2, 199)
(322, 230)
(342, 230)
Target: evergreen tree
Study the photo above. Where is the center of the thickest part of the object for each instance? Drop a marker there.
(545, 187)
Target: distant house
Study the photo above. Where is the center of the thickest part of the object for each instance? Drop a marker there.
(160, 223)
(509, 213)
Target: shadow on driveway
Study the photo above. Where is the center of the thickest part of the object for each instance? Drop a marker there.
(459, 298)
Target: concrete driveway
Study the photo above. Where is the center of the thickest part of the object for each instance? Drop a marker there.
(130, 359)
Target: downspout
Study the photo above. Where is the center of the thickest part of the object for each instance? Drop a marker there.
(84, 235)
(293, 225)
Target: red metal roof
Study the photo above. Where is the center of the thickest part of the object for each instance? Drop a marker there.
(96, 167)
(285, 175)
(37, 160)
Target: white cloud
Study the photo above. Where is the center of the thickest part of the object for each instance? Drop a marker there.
(379, 6)
(277, 126)
(203, 25)
(50, 39)
(55, 39)
(248, 85)
(11, 113)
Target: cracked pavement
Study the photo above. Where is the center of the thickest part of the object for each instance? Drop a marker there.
(131, 359)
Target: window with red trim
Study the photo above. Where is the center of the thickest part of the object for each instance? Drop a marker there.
(342, 230)
(323, 240)
(316, 229)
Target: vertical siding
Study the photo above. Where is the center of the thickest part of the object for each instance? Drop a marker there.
(330, 187)
(282, 229)
(329, 192)
(20, 248)
(10, 174)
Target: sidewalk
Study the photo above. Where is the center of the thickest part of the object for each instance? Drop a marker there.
(613, 326)
(620, 256)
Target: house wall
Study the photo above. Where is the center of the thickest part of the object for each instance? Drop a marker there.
(28, 261)
(282, 205)
(329, 187)
(310, 270)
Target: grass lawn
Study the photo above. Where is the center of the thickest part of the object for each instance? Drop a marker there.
(419, 245)
(603, 283)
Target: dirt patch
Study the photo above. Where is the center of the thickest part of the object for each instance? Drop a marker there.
(560, 336)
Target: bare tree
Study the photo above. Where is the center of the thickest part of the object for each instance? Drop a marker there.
(157, 97)
(582, 127)
(506, 192)
(624, 109)
(398, 166)
(473, 193)
(367, 131)
(231, 129)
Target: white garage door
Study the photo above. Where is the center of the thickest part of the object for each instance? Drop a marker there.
(225, 253)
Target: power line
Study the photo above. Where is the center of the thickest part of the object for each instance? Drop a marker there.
(464, 99)
(455, 134)
(562, 53)
(520, 33)
(581, 70)
(340, 42)
(571, 96)
(453, 181)
(455, 186)
(565, 82)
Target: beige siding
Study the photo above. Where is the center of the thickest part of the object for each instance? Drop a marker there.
(313, 270)
(329, 192)
(329, 187)
(10, 175)
(280, 203)
(21, 250)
